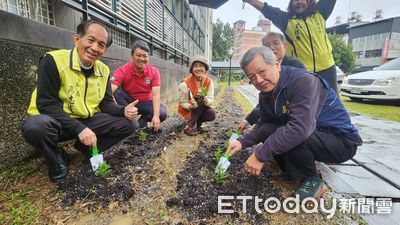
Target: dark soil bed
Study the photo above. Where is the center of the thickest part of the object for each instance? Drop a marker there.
(198, 194)
(126, 159)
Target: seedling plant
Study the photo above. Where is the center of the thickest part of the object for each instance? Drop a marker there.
(231, 131)
(104, 170)
(143, 135)
(219, 176)
(218, 154)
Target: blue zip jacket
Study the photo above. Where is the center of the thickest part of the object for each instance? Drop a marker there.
(301, 102)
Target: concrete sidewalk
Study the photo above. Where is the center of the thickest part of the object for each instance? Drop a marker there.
(374, 171)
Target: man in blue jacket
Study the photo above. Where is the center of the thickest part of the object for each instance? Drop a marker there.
(301, 120)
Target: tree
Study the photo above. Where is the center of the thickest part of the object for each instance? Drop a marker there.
(223, 37)
(342, 53)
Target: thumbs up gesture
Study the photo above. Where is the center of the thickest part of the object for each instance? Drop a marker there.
(131, 112)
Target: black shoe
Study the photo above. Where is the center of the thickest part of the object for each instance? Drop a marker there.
(58, 172)
(63, 156)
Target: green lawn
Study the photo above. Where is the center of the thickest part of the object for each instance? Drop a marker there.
(225, 83)
(380, 109)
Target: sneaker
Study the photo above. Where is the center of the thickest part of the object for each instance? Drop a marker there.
(311, 187)
(190, 131)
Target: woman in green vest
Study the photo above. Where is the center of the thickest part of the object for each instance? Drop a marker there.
(304, 28)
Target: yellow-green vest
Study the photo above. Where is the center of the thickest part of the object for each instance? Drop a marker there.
(81, 95)
(308, 41)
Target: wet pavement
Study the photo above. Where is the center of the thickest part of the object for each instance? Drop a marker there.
(374, 172)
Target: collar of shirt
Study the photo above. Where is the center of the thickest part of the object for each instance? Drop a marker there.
(137, 74)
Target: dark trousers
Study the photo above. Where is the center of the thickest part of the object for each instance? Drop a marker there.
(44, 132)
(144, 108)
(201, 114)
(330, 76)
(322, 146)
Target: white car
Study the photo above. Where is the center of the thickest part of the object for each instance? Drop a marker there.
(340, 75)
(382, 83)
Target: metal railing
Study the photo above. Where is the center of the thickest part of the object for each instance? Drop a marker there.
(150, 20)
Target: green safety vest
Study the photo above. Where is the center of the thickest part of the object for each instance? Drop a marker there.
(80, 95)
(308, 41)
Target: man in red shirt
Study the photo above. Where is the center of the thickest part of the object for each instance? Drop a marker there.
(138, 80)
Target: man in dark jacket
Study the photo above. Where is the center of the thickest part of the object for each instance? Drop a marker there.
(73, 100)
(277, 43)
(301, 120)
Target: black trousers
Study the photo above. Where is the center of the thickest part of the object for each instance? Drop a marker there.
(201, 114)
(322, 146)
(44, 132)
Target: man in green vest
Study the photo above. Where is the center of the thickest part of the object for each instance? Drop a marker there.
(73, 100)
(304, 28)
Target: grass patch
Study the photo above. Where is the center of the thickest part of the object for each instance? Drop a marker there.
(247, 107)
(225, 83)
(22, 192)
(379, 109)
(18, 208)
(18, 173)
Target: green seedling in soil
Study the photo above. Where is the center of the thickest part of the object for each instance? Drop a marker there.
(218, 154)
(104, 170)
(163, 214)
(231, 131)
(219, 176)
(143, 135)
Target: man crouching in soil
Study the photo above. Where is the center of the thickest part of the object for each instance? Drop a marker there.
(301, 120)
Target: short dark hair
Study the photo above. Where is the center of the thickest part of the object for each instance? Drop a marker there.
(281, 36)
(140, 44)
(312, 7)
(84, 26)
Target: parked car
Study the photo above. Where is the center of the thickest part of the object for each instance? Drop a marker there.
(382, 83)
(340, 75)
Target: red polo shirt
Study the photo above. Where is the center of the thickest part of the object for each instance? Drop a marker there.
(138, 87)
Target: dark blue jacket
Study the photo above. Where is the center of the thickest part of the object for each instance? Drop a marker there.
(301, 102)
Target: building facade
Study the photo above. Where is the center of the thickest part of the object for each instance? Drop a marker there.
(247, 39)
(373, 43)
(376, 42)
(174, 29)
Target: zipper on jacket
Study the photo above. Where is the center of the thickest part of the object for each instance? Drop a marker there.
(84, 97)
(276, 101)
(311, 44)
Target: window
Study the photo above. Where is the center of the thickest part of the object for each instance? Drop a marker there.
(359, 54)
(119, 37)
(40, 10)
(373, 53)
(45, 13)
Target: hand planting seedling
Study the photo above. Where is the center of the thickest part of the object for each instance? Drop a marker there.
(104, 170)
(142, 135)
(223, 162)
(218, 154)
(219, 176)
